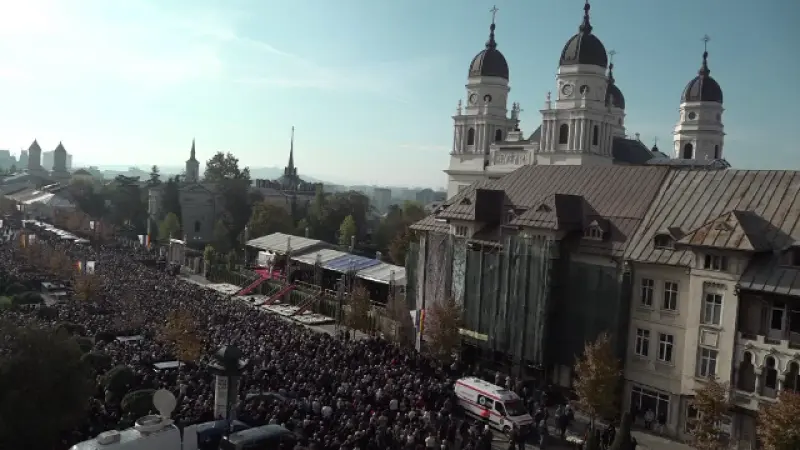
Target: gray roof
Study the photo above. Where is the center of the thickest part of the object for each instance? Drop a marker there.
(568, 198)
(739, 210)
(630, 151)
(282, 243)
(709, 164)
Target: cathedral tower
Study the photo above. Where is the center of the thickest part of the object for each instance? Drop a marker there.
(34, 157)
(700, 133)
(60, 160)
(589, 108)
(192, 167)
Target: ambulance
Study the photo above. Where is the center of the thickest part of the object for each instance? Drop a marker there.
(501, 408)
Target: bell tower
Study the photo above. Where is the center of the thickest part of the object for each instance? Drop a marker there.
(192, 167)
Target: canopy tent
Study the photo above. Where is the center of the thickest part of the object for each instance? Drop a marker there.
(283, 243)
(382, 273)
(324, 255)
(347, 263)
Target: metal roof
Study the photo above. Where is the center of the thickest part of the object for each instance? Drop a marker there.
(322, 255)
(382, 273)
(282, 243)
(766, 273)
(690, 199)
(348, 262)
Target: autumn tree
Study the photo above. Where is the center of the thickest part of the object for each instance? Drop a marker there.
(347, 231)
(358, 317)
(169, 227)
(399, 247)
(442, 329)
(61, 265)
(711, 403)
(182, 330)
(779, 423)
(598, 376)
(87, 286)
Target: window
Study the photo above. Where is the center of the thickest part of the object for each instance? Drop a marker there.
(471, 136)
(642, 347)
(770, 373)
(499, 408)
(716, 152)
(670, 302)
(596, 135)
(646, 399)
(688, 151)
(563, 134)
(196, 226)
(460, 230)
(663, 241)
(593, 233)
(707, 366)
(794, 257)
(716, 262)
(665, 344)
(648, 288)
(498, 135)
(712, 309)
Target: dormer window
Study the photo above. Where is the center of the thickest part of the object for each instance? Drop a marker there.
(664, 242)
(594, 233)
(543, 208)
(460, 230)
(716, 262)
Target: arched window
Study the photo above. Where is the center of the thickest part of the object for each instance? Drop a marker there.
(596, 135)
(498, 135)
(688, 151)
(770, 377)
(196, 226)
(792, 382)
(716, 152)
(563, 134)
(746, 380)
(471, 136)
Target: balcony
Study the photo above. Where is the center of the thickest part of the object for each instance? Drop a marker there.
(770, 322)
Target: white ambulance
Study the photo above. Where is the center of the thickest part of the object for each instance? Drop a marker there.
(499, 406)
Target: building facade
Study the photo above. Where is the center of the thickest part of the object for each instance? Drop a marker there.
(583, 122)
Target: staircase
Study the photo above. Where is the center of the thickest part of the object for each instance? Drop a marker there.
(303, 307)
(278, 295)
(252, 286)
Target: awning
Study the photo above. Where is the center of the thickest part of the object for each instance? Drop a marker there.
(323, 255)
(382, 273)
(282, 243)
(348, 262)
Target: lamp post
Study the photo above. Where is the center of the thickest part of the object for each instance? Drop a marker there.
(227, 365)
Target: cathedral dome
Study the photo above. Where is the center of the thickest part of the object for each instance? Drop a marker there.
(489, 62)
(584, 47)
(614, 95)
(702, 88)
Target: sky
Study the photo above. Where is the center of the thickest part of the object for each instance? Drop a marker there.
(370, 86)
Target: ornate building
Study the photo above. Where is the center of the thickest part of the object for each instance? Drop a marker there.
(582, 124)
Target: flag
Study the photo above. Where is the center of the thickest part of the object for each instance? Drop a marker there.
(79, 266)
(23, 240)
(141, 239)
(147, 241)
(90, 267)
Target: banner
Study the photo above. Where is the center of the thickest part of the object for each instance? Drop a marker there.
(147, 241)
(79, 266)
(141, 239)
(89, 267)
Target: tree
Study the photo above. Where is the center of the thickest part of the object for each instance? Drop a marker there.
(442, 329)
(224, 166)
(169, 227)
(209, 257)
(60, 380)
(778, 424)
(358, 318)
(347, 231)
(221, 238)
(170, 197)
(267, 219)
(399, 247)
(183, 331)
(155, 177)
(598, 376)
(61, 266)
(623, 439)
(711, 404)
(128, 206)
(87, 286)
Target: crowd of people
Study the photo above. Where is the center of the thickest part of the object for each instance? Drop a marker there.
(340, 393)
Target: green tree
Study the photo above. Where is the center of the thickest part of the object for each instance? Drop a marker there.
(209, 257)
(155, 177)
(128, 204)
(711, 403)
(778, 424)
(169, 227)
(413, 212)
(170, 197)
(347, 231)
(27, 381)
(442, 329)
(358, 318)
(267, 219)
(598, 372)
(224, 166)
(399, 247)
(222, 237)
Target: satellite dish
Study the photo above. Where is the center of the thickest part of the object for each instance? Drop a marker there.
(164, 402)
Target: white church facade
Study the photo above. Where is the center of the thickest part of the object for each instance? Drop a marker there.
(582, 124)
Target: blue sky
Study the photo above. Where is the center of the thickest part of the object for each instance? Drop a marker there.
(369, 86)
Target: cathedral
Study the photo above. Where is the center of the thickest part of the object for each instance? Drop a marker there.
(582, 124)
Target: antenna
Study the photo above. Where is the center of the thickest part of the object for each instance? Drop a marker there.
(164, 402)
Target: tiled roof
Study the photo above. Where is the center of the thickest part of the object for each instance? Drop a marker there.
(693, 198)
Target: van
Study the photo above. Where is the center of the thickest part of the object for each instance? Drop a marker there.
(500, 407)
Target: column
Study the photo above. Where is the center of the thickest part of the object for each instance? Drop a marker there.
(545, 136)
(571, 140)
